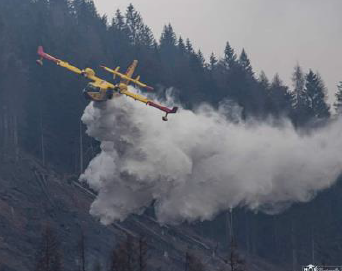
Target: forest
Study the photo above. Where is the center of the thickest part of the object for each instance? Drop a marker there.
(40, 108)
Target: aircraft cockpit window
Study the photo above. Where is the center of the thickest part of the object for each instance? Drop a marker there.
(91, 88)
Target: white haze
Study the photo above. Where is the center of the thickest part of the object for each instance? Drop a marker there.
(199, 163)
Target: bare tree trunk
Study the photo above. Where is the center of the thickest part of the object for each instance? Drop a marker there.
(275, 235)
(15, 138)
(230, 231)
(2, 132)
(6, 128)
(231, 224)
(42, 138)
(312, 246)
(142, 247)
(294, 251)
(81, 148)
(186, 266)
(248, 246)
(82, 251)
(254, 235)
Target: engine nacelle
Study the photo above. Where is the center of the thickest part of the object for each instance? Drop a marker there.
(89, 72)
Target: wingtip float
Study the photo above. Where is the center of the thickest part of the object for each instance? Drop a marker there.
(100, 90)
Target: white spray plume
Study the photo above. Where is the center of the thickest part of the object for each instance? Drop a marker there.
(199, 163)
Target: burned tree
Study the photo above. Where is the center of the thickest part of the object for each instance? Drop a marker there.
(81, 248)
(142, 253)
(49, 256)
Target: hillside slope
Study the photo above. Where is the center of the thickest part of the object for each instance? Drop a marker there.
(31, 196)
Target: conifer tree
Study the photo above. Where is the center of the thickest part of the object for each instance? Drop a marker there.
(168, 37)
(301, 103)
(118, 21)
(212, 61)
(281, 98)
(145, 37)
(263, 80)
(134, 23)
(298, 81)
(230, 57)
(181, 46)
(49, 255)
(316, 93)
(338, 103)
(189, 47)
(168, 49)
(200, 58)
(245, 63)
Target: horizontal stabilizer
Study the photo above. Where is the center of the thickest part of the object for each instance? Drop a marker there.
(163, 108)
(174, 110)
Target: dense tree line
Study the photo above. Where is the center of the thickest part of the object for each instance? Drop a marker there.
(41, 108)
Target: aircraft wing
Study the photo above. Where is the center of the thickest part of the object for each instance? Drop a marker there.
(149, 102)
(135, 96)
(126, 78)
(88, 73)
(59, 62)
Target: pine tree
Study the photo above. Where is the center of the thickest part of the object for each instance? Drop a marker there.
(229, 57)
(145, 37)
(245, 63)
(316, 92)
(281, 98)
(49, 255)
(142, 254)
(134, 24)
(201, 59)
(301, 104)
(168, 37)
(181, 46)
(338, 103)
(168, 47)
(212, 61)
(118, 21)
(189, 47)
(298, 81)
(263, 80)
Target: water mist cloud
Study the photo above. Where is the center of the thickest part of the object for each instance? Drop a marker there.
(199, 163)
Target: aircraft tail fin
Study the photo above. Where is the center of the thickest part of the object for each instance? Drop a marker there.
(44, 55)
(40, 51)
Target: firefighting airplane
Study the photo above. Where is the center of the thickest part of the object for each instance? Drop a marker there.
(100, 90)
